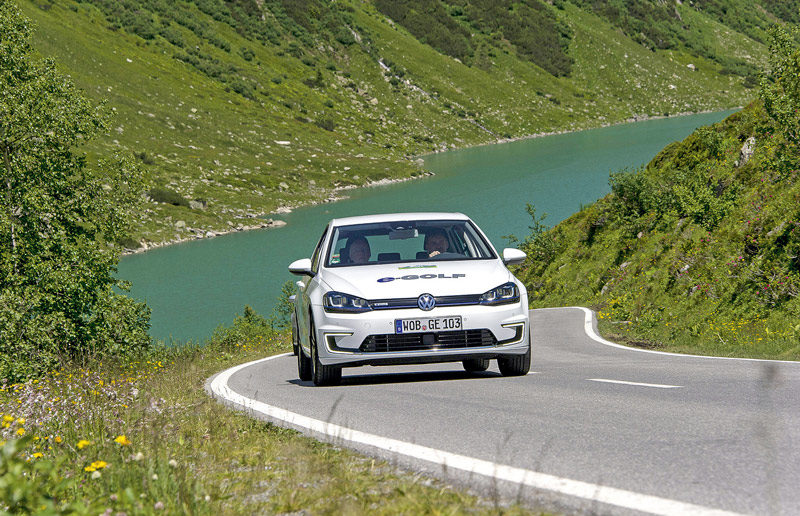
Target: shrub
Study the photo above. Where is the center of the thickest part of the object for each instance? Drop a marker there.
(431, 24)
(543, 244)
(247, 54)
(172, 35)
(634, 194)
(281, 314)
(780, 87)
(145, 158)
(326, 123)
(243, 88)
(248, 327)
(535, 32)
(167, 196)
(139, 22)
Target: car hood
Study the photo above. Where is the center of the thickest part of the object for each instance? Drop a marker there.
(410, 280)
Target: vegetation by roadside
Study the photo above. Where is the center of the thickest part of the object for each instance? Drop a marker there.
(141, 436)
(699, 251)
(59, 219)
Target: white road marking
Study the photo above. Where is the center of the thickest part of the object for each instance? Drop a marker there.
(576, 488)
(623, 382)
(588, 327)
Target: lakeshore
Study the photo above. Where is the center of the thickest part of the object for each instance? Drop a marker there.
(334, 195)
(200, 284)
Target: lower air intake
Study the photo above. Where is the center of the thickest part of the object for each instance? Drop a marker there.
(427, 341)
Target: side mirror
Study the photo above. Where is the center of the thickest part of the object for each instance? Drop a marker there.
(513, 256)
(301, 267)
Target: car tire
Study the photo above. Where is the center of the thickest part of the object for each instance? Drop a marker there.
(303, 365)
(295, 338)
(475, 365)
(515, 365)
(321, 374)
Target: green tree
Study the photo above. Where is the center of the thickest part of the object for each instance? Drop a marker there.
(282, 313)
(780, 86)
(59, 219)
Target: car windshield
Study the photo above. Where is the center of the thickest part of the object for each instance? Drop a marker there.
(409, 241)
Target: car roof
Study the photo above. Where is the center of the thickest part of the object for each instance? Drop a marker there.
(391, 217)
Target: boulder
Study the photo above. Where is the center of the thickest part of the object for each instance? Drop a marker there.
(747, 151)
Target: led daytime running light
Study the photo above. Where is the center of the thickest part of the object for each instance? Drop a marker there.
(504, 294)
(344, 303)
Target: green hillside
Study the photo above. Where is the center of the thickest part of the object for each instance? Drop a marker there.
(699, 251)
(237, 108)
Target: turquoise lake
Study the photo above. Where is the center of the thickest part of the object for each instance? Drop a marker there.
(195, 286)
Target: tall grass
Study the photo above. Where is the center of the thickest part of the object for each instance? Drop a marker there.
(142, 437)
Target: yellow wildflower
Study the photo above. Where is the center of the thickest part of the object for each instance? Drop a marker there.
(122, 440)
(83, 443)
(8, 418)
(37, 455)
(58, 439)
(21, 421)
(21, 431)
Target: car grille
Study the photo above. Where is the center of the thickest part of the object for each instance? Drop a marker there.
(428, 341)
(411, 302)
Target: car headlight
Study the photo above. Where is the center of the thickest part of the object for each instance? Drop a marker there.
(344, 303)
(504, 294)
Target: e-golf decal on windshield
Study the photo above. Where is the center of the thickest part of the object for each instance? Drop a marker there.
(422, 276)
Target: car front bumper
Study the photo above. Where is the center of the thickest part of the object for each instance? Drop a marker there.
(341, 335)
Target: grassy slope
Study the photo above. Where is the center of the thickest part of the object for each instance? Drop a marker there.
(185, 453)
(206, 143)
(697, 256)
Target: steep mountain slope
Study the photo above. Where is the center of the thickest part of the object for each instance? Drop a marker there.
(237, 108)
(699, 251)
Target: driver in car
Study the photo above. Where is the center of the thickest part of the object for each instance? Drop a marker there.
(357, 250)
(436, 242)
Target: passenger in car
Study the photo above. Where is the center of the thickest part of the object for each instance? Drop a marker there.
(436, 242)
(357, 250)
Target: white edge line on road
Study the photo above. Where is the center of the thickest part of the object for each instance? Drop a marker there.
(575, 488)
(588, 326)
(623, 382)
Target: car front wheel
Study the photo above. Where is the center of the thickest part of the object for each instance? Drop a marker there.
(321, 374)
(475, 365)
(515, 365)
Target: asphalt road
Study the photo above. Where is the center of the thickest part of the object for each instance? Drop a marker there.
(594, 428)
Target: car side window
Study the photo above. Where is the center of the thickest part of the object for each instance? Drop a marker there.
(318, 252)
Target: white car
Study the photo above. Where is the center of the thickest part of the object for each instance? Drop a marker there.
(408, 288)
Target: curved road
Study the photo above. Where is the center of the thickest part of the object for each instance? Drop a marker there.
(594, 427)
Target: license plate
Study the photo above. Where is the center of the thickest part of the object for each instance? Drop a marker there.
(427, 324)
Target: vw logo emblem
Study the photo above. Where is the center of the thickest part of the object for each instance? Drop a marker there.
(426, 302)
